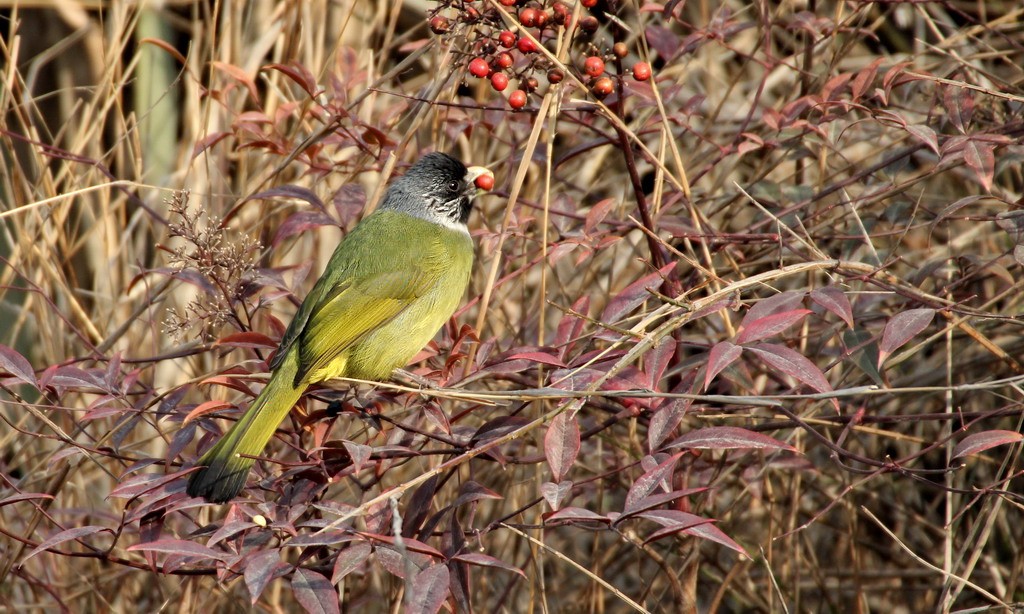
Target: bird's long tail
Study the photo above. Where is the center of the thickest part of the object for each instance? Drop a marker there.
(225, 468)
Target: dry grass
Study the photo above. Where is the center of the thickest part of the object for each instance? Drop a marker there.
(874, 148)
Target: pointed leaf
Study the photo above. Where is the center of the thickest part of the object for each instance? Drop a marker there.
(722, 354)
(260, 569)
(484, 560)
(634, 294)
(770, 325)
(562, 444)
(180, 547)
(645, 484)
(16, 364)
(784, 301)
(728, 438)
(349, 560)
(980, 157)
(314, 593)
(979, 442)
(554, 494)
(792, 364)
(901, 328)
(834, 300)
(430, 589)
(63, 536)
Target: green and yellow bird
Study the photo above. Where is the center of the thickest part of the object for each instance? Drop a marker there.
(388, 288)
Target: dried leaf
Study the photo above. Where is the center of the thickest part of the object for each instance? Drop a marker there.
(562, 444)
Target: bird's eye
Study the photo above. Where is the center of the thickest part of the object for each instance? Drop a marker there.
(453, 186)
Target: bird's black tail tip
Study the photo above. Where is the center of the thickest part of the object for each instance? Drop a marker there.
(217, 484)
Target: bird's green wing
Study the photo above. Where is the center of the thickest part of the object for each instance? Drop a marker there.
(349, 313)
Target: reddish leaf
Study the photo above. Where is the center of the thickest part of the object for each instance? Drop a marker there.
(959, 105)
(349, 560)
(179, 547)
(229, 530)
(300, 222)
(314, 592)
(834, 300)
(64, 536)
(554, 494)
(248, 339)
(925, 135)
(634, 294)
(728, 438)
(979, 442)
(597, 213)
(299, 74)
(657, 500)
(562, 444)
(260, 569)
(15, 364)
(540, 357)
(239, 75)
(722, 354)
(576, 514)
(206, 407)
(291, 192)
(430, 588)
(484, 560)
(902, 328)
(981, 159)
(864, 78)
(474, 491)
(645, 484)
(674, 522)
(784, 301)
(25, 496)
(665, 420)
(710, 532)
(657, 359)
(769, 326)
(323, 537)
(207, 142)
(792, 364)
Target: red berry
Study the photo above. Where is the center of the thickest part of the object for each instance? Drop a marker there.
(603, 86)
(560, 8)
(507, 2)
(530, 84)
(589, 3)
(504, 60)
(471, 14)
(499, 81)
(507, 39)
(587, 24)
(620, 50)
(555, 76)
(439, 24)
(641, 71)
(526, 45)
(594, 66)
(517, 100)
(528, 17)
(484, 182)
(542, 19)
(479, 68)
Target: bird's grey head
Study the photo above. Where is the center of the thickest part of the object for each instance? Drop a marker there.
(438, 188)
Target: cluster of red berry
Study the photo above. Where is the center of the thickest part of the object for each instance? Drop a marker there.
(500, 54)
